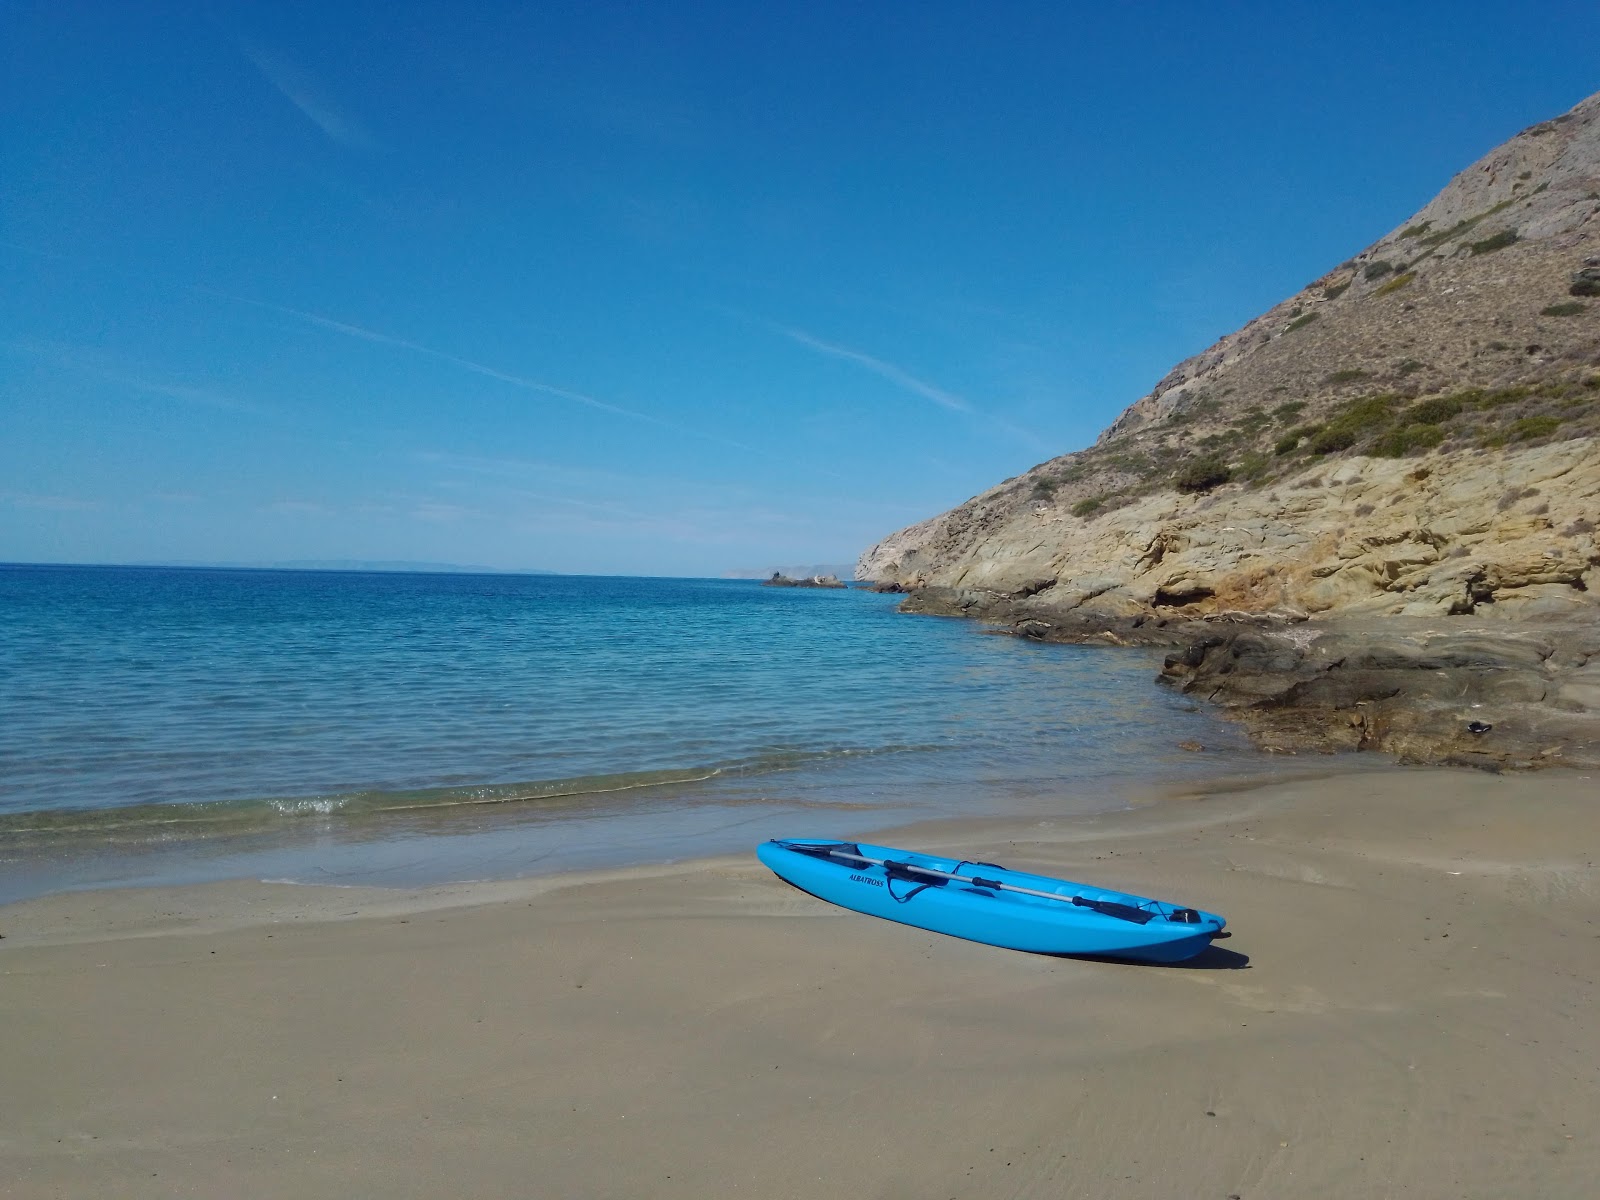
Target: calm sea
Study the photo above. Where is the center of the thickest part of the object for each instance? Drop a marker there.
(169, 724)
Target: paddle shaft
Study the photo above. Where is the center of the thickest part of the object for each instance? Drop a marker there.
(991, 883)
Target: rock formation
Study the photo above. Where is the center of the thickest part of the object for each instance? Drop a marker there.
(1414, 435)
(779, 579)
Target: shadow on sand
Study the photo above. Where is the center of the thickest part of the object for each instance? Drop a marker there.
(1212, 958)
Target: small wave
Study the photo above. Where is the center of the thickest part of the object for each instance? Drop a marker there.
(321, 806)
(224, 817)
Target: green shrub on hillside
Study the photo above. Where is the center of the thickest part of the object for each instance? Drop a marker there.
(1495, 241)
(1334, 437)
(1202, 475)
(1084, 508)
(1533, 427)
(1433, 410)
(1295, 438)
(1223, 437)
(1301, 322)
(1417, 230)
(1395, 284)
(1366, 412)
(1353, 421)
(1253, 421)
(1288, 410)
(1348, 375)
(1377, 270)
(1130, 464)
(1505, 395)
(1253, 466)
(1397, 443)
(1444, 235)
(1337, 290)
(1568, 308)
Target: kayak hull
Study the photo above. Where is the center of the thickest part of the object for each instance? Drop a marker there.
(1149, 931)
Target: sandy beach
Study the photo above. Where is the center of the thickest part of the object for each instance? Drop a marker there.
(1406, 1008)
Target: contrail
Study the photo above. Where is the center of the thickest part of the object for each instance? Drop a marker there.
(477, 368)
(298, 89)
(903, 379)
(895, 375)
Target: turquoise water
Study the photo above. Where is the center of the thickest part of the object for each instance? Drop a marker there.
(164, 724)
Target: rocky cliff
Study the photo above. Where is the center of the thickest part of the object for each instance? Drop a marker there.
(1416, 434)
(1358, 444)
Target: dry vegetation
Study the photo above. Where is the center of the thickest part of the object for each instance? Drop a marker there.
(1258, 446)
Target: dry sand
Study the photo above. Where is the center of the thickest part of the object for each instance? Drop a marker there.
(1406, 1008)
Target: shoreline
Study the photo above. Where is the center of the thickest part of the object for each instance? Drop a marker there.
(1418, 941)
(440, 845)
(163, 908)
(1416, 688)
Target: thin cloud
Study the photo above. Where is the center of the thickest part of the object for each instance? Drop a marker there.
(898, 376)
(50, 503)
(905, 380)
(204, 397)
(507, 476)
(301, 91)
(298, 508)
(477, 368)
(432, 510)
(100, 366)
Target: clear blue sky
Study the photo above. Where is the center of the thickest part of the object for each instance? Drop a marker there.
(666, 288)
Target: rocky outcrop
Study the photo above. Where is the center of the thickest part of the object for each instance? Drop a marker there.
(1353, 446)
(1512, 534)
(1465, 692)
(813, 581)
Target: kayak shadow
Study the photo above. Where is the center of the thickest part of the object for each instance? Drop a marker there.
(1212, 958)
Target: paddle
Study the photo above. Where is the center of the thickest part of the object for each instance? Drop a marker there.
(1109, 908)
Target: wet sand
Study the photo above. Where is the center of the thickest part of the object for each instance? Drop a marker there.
(1407, 1007)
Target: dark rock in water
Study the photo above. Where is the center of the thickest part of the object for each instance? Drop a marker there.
(887, 586)
(814, 581)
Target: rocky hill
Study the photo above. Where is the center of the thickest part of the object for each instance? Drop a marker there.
(1357, 445)
(1415, 434)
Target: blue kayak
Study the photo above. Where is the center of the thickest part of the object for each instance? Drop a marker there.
(986, 903)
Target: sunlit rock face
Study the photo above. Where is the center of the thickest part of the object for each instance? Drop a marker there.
(1416, 433)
